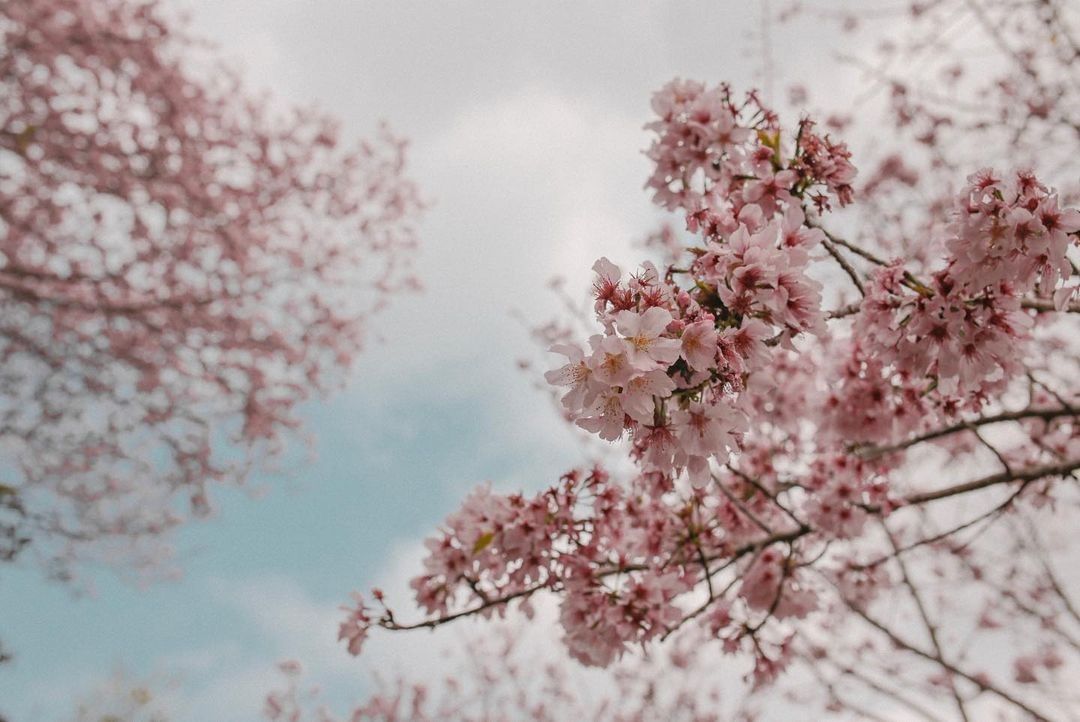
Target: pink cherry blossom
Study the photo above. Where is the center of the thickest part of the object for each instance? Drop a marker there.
(808, 469)
(699, 344)
(644, 345)
(704, 429)
(182, 265)
(640, 392)
(577, 374)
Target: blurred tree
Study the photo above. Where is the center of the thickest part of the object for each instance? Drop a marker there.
(181, 265)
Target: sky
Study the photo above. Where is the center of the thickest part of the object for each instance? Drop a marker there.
(525, 121)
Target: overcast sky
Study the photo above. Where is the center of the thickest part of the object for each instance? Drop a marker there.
(526, 126)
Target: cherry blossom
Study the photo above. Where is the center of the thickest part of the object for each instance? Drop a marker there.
(182, 265)
(773, 437)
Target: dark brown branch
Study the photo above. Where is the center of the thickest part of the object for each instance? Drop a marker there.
(874, 452)
(1038, 472)
(1045, 304)
(851, 272)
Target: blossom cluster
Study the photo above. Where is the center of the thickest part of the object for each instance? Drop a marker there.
(627, 557)
(920, 349)
(961, 341)
(662, 369)
(676, 348)
(1014, 233)
(712, 148)
(575, 536)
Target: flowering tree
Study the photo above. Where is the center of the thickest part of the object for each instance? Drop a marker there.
(181, 265)
(862, 487)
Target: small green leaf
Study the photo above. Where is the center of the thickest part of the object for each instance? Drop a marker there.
(483, 542)
(769, 140)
